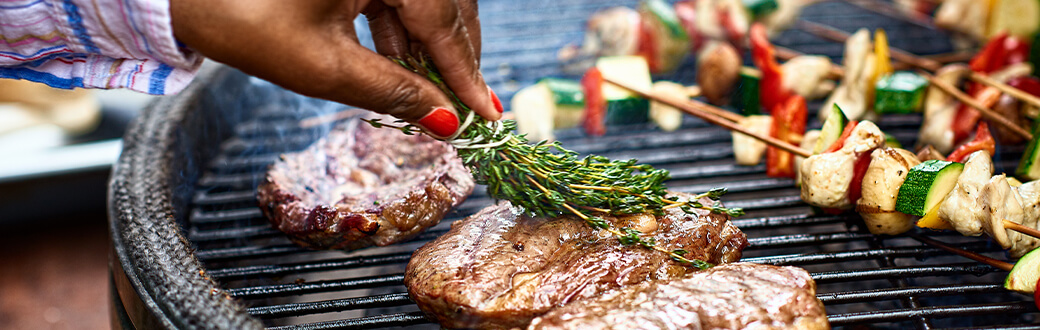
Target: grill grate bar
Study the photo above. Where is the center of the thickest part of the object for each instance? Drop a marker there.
(933, 312)
(282, 269)
(889, 294)
(370, 322)
(329, 306)
(902, 272)
(804, 239)
(315, 287)
(786, 221)
(828, 257)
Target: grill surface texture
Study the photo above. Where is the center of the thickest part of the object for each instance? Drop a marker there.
(192, 250)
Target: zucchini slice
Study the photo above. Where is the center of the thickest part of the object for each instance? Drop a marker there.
(569, 100)
(623, 107)
(1024, 275)
(927, 185)
(831, 130)
(1029, 166)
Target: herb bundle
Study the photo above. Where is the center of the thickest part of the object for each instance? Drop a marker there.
(548, 180)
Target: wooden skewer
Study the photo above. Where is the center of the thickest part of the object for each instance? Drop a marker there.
(729, 121)
(830, 33)
(932, 65)
(838, 71)
(1021, 229)
(986, 112)
(715, 116)
(964, 253)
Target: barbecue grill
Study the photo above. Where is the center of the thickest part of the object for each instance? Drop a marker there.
(191, 249)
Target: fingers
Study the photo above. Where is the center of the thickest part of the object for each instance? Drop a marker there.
(373, 82)
(440, 27)
(389, 35)
(470, 18)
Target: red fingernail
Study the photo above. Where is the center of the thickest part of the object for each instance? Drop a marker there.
(441, 122)
(495, 101)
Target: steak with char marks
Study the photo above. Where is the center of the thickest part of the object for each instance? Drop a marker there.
(362, 186)
(498, 269)
(733, 296)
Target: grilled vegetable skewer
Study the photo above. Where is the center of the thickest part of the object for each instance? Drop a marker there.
(832, 179)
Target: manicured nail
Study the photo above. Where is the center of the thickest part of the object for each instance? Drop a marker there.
(441, 122)
(495, 100)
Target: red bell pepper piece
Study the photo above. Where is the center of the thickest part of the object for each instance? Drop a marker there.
(771, 90)
(859, 170)
(687, 12)
(789, 120)
(647, 47)
(992, 56)
(1029, 85)
(1016, 50)
(841, 139)
(594, 118)
(983, 141)
(965, 120)
(1036, 294)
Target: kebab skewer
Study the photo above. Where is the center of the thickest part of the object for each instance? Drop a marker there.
(833, 179)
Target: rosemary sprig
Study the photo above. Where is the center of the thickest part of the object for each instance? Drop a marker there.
(548, 180)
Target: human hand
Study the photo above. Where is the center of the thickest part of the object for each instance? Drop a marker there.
(311, 47)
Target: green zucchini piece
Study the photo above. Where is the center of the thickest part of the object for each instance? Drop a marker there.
(831, 130)
(926, 185)
(1029, 166)
(1024, 275)
(667, 16)
(746, 96)
(569, 99)
(900, 92)
(623, 107)
(759, 8)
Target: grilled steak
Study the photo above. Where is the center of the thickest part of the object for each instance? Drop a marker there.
(500, 269)
(363, 186)
(733, 296)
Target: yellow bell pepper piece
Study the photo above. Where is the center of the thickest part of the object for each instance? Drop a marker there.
(882, 62)
(932, 221)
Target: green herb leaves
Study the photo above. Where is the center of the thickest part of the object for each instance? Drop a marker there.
(548, 180)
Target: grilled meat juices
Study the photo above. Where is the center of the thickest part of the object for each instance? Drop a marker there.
(732, 296)
(362, 186)
(499, 269)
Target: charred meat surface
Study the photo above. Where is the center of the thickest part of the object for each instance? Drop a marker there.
(362, 186)
(732, 296)
(498, 269)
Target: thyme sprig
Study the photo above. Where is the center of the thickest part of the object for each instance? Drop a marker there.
(548, 180)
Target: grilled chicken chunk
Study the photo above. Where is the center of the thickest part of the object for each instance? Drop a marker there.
(498, 269)
(362, 186)
(963, 207)
(825, 177)
(1029, 193)
(877, 205)
(1000, 203)
(851, 94)
(733, 296)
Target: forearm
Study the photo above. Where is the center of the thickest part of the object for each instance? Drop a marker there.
(94, 44)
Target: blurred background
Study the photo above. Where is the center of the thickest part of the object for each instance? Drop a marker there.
(56, 152)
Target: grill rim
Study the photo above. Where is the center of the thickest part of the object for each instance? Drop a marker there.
(141, 203)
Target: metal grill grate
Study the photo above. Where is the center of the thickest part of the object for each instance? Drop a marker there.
(863, 279)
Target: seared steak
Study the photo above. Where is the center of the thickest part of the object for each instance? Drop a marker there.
(733, 296)
(500, 268)
(363, 186)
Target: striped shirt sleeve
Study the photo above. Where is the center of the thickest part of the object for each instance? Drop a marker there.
(94, 44)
